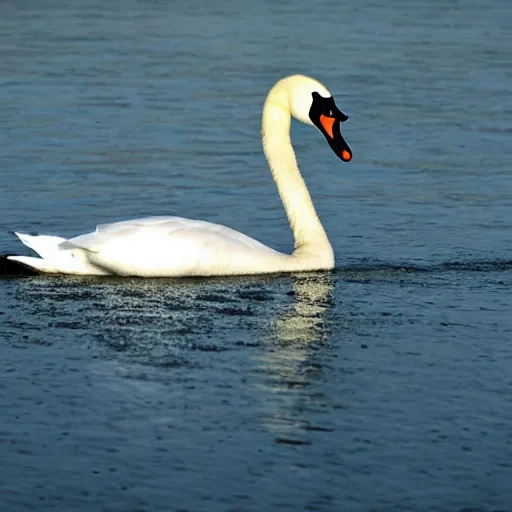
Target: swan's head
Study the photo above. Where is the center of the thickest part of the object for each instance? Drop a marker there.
(312, 103)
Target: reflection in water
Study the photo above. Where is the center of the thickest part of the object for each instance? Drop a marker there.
(289, 364)
(153, 329)
(303, 323)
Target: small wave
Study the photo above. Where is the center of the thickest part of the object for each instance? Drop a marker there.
(447, 266)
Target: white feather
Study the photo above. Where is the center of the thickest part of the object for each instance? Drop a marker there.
(55, 259)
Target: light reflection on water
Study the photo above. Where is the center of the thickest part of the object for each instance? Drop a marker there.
(297, 334)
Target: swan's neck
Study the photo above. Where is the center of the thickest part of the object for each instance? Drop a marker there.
(311, 241)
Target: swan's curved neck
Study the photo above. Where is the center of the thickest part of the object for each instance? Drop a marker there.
(311, 241)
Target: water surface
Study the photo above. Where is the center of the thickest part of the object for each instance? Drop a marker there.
(384, 385)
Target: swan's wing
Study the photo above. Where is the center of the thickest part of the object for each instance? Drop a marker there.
(172, 246)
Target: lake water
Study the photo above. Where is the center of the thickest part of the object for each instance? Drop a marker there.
(385, 385)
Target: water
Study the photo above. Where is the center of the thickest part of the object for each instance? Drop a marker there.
(384, 385)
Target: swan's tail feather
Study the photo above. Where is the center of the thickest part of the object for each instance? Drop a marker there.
(44, 245)
(55, 258)
(34, 263)
(13, 268)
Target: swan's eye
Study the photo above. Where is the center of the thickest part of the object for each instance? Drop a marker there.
(330, 113)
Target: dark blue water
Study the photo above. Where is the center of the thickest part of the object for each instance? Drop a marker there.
(385, 385)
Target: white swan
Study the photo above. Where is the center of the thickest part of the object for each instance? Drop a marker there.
(174, 246)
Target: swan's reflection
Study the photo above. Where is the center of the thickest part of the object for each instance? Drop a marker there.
(303, 323)
(155, 322)
(169, 329)
(290, 365)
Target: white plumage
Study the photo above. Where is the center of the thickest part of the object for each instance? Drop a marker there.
(174, 246)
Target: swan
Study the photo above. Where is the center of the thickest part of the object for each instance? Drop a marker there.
(175, 247)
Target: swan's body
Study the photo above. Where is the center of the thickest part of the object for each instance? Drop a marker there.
(155, 246)
(174, 246)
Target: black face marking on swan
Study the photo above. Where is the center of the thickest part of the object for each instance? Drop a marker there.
(327, 117)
